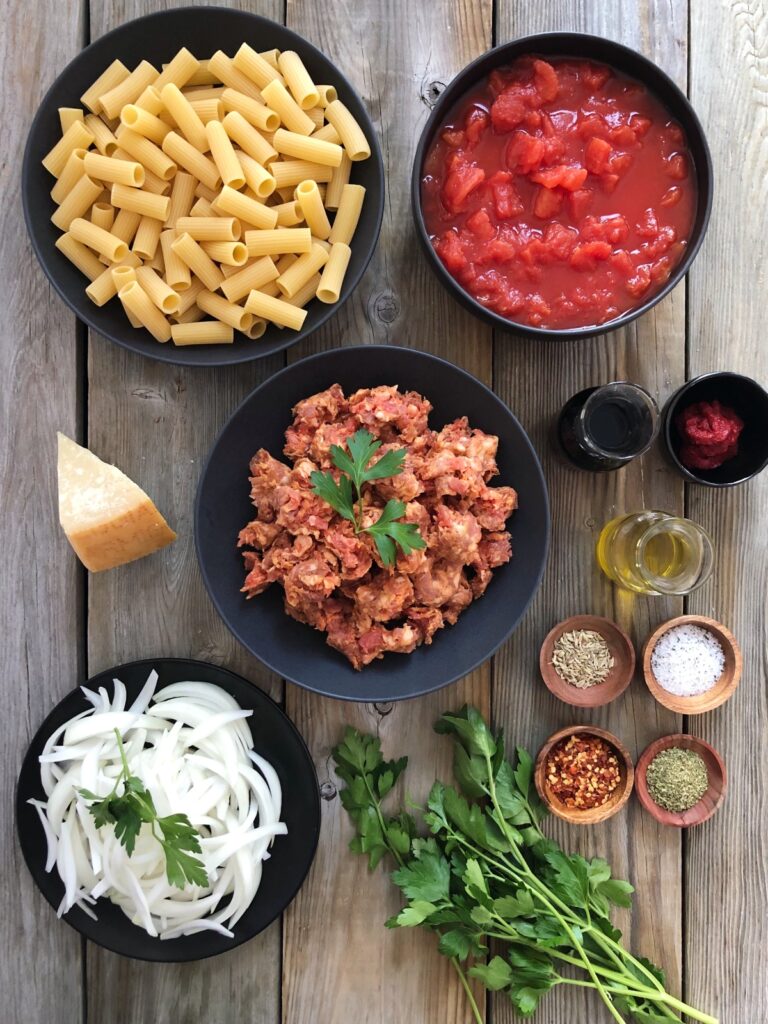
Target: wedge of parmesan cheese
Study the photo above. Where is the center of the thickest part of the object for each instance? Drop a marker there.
(107, 518)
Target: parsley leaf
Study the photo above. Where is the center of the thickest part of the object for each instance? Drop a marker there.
(180, 867)
(135, 807)
(338, 495)
(345, 494)
(426, 878)
(495, 975)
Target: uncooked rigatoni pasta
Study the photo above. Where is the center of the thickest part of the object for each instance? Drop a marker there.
(224, 156)
(227, 254)
(111, 171)
(147, 237)
(248, 138)
(276, 310)
(277, 241)
(256, 274)
(308, 198)
(230, 201)
(74, 169)
(257, 114)
(253, 66)
(277, 97)
(206, 332)
(352, 135)
(96, 238)
(298, 79)
(148, 204)
(116, 73)
(164, 297)
(332, 278)
(128, 90)
(177, 274)
(302, 147)
(103, 215)
(198, 261)
(136, 301)
(202, 195)
(144, 123)
(77, 136)
(210, 229)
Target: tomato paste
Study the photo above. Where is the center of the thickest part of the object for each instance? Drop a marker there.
(710, 433)
(559, 194)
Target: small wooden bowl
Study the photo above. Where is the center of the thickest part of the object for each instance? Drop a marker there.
(618, 678)
(711, 800)
(617, 799)
(723, 688)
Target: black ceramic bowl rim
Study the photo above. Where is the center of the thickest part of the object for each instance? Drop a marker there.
(218, 355)
(564, 44)
(668, 416)
(175, 953)
(368, 696)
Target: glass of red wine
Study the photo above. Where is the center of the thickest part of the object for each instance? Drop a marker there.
(603, 428)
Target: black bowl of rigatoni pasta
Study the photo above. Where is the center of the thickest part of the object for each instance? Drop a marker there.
(223, 167)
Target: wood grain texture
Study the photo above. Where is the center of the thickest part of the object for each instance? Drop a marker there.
(157, 422)
(535, 379)
(726, 903)
(40, 603)
(339, 962)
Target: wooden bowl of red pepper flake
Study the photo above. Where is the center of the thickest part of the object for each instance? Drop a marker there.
(584, 774)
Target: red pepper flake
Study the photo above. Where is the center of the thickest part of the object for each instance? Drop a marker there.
(582, 771)
(710, 433)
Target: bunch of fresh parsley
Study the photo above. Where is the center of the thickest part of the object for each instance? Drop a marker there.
(129, 810)
(487, 873)
(345, 497)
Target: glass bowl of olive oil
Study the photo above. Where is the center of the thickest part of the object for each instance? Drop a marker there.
(653, 552)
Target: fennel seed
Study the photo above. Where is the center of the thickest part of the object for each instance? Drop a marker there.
(582, 658)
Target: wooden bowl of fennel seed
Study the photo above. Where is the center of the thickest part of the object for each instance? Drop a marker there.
(587, 661)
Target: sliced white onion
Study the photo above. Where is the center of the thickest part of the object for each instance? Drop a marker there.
(190, 745)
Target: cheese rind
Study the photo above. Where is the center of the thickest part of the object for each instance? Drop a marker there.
(107, 518)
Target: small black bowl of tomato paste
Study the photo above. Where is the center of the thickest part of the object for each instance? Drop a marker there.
(562, 186)
(715, 429)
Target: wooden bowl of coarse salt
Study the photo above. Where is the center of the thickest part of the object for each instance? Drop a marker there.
(691, 664)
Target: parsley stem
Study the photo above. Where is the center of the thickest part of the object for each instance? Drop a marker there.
(126, 770)
(650, 996)
(357, 509)
(465, 985)
(542, 893)
(606, 942)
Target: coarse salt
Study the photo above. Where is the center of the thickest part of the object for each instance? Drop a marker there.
(687, 660)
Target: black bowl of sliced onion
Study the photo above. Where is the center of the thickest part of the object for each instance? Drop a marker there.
(168, 810)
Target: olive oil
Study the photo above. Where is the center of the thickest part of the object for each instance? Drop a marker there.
(652, 552)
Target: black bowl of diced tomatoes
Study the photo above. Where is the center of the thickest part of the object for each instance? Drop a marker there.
(562, 186)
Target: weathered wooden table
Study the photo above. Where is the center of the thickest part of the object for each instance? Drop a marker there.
(701, 901)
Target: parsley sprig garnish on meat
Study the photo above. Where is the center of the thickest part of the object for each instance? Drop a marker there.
(345, 496)
(129, 810)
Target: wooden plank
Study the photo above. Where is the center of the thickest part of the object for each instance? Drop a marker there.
(40, 606)
(157, 423)
(340, 963)
(651, 353)
(726, 867)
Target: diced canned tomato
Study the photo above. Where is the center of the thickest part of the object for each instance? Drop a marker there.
(559, 193)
